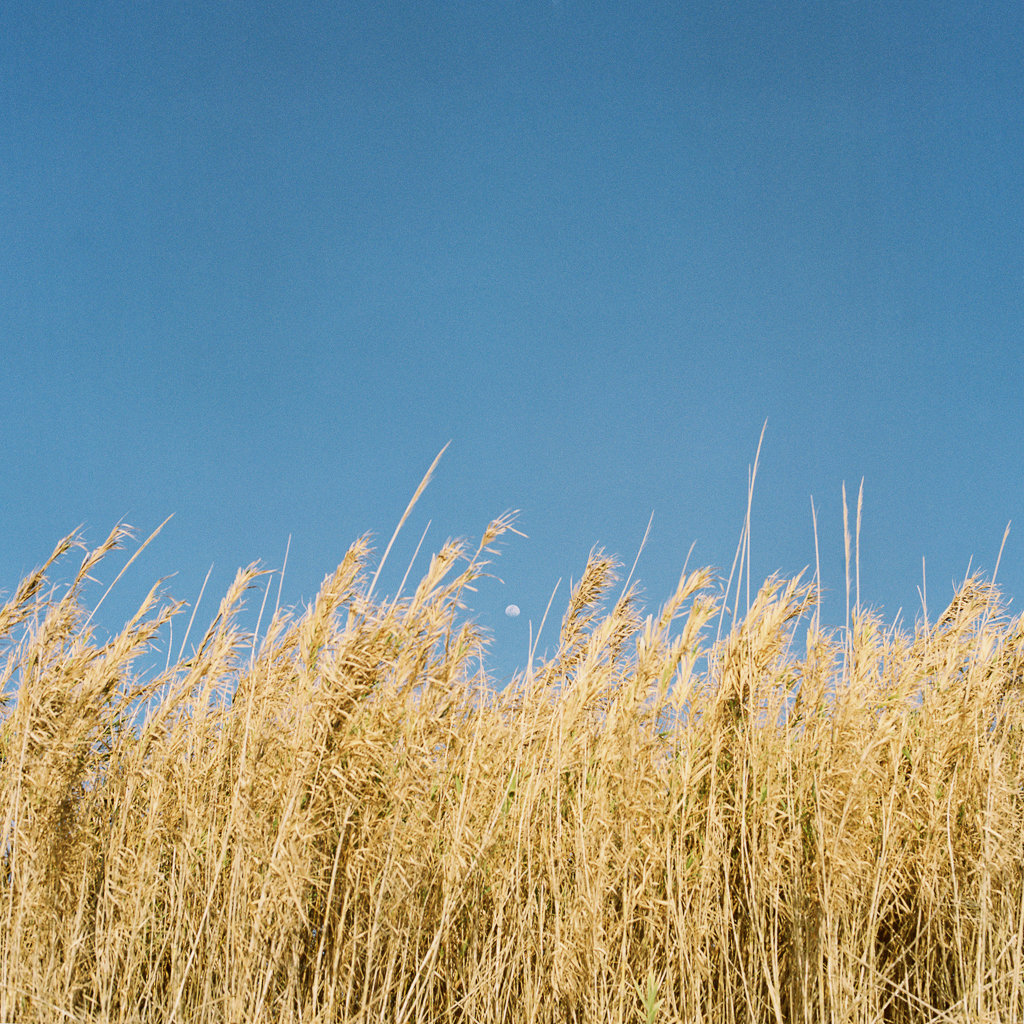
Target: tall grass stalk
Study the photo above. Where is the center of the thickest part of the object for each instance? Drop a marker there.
(342, 820)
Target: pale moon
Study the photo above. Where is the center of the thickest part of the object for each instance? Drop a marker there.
(512, 611)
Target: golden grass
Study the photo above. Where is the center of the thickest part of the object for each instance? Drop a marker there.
(653, 825)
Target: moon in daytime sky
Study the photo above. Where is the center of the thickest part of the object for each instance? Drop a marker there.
(512, 611)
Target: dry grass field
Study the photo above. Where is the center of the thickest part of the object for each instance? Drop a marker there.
(697, 816)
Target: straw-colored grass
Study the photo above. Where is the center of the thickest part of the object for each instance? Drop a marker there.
(779, 825)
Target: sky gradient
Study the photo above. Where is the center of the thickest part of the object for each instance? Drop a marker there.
(261, 262)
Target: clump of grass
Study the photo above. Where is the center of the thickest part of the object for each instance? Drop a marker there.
(344, 821)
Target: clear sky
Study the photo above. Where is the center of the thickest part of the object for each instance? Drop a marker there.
(260, 262)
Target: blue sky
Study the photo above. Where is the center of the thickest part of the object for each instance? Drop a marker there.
(262, 261)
